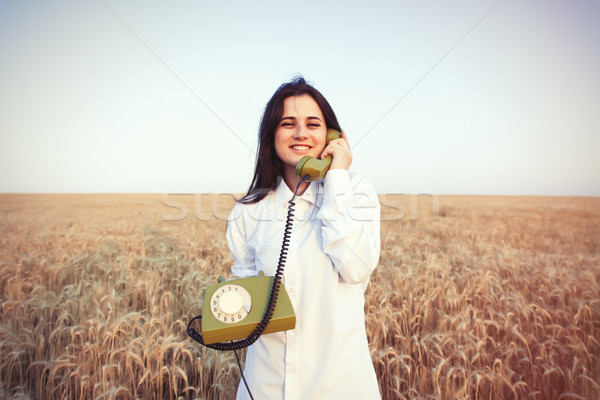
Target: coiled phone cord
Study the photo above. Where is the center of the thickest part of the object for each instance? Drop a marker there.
(262, 325)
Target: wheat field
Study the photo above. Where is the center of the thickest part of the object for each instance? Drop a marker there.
(474, 297)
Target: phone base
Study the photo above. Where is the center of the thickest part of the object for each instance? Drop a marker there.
(259, 287)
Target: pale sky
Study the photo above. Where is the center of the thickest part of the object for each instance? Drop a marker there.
(440, 97)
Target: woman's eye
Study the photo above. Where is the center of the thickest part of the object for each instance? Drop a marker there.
(313, 125)
(287, 124)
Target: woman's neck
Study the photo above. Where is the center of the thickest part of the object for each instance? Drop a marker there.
(291, 180)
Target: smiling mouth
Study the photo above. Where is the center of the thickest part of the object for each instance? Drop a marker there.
(300, 147)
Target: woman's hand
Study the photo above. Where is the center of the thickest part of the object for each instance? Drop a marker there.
(339, 149)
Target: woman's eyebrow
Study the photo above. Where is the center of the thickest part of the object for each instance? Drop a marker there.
(294, 118)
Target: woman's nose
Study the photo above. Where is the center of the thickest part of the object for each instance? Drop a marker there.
(301, 132)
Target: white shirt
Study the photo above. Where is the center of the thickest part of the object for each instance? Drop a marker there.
(334, 247)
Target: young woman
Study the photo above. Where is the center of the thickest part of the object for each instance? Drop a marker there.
(334, 247)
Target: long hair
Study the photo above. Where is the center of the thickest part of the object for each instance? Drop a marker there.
(269, 167)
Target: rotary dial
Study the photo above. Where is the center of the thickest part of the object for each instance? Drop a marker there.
(230, 303)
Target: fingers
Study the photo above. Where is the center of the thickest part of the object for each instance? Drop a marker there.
(334, 146)
(339, 149)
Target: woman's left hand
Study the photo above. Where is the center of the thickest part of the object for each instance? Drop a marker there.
(339, 149)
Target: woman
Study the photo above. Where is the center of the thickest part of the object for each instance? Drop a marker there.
(334, 247)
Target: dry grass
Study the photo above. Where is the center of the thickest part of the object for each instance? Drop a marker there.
(489, 298)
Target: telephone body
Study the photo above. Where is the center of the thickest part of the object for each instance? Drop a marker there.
(232, 309)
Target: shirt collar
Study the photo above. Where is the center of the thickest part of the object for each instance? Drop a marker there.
(313, 194)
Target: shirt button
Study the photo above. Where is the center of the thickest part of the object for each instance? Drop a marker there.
(290, 369)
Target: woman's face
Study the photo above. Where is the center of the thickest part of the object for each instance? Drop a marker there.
(301, 131)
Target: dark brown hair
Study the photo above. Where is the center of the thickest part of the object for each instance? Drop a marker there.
(268, 170)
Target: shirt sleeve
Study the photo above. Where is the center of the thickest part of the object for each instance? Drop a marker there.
(243, 256)
(350, 214)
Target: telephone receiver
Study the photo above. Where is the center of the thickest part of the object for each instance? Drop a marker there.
(313, 166)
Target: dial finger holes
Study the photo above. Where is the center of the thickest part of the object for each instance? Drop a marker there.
(230, 303)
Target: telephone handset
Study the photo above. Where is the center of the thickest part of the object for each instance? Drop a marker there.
(246, 308)
(315, 167)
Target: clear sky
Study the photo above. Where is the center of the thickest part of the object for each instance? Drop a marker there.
(440, 97)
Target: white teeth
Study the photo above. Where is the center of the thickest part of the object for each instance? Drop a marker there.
(299, 147)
